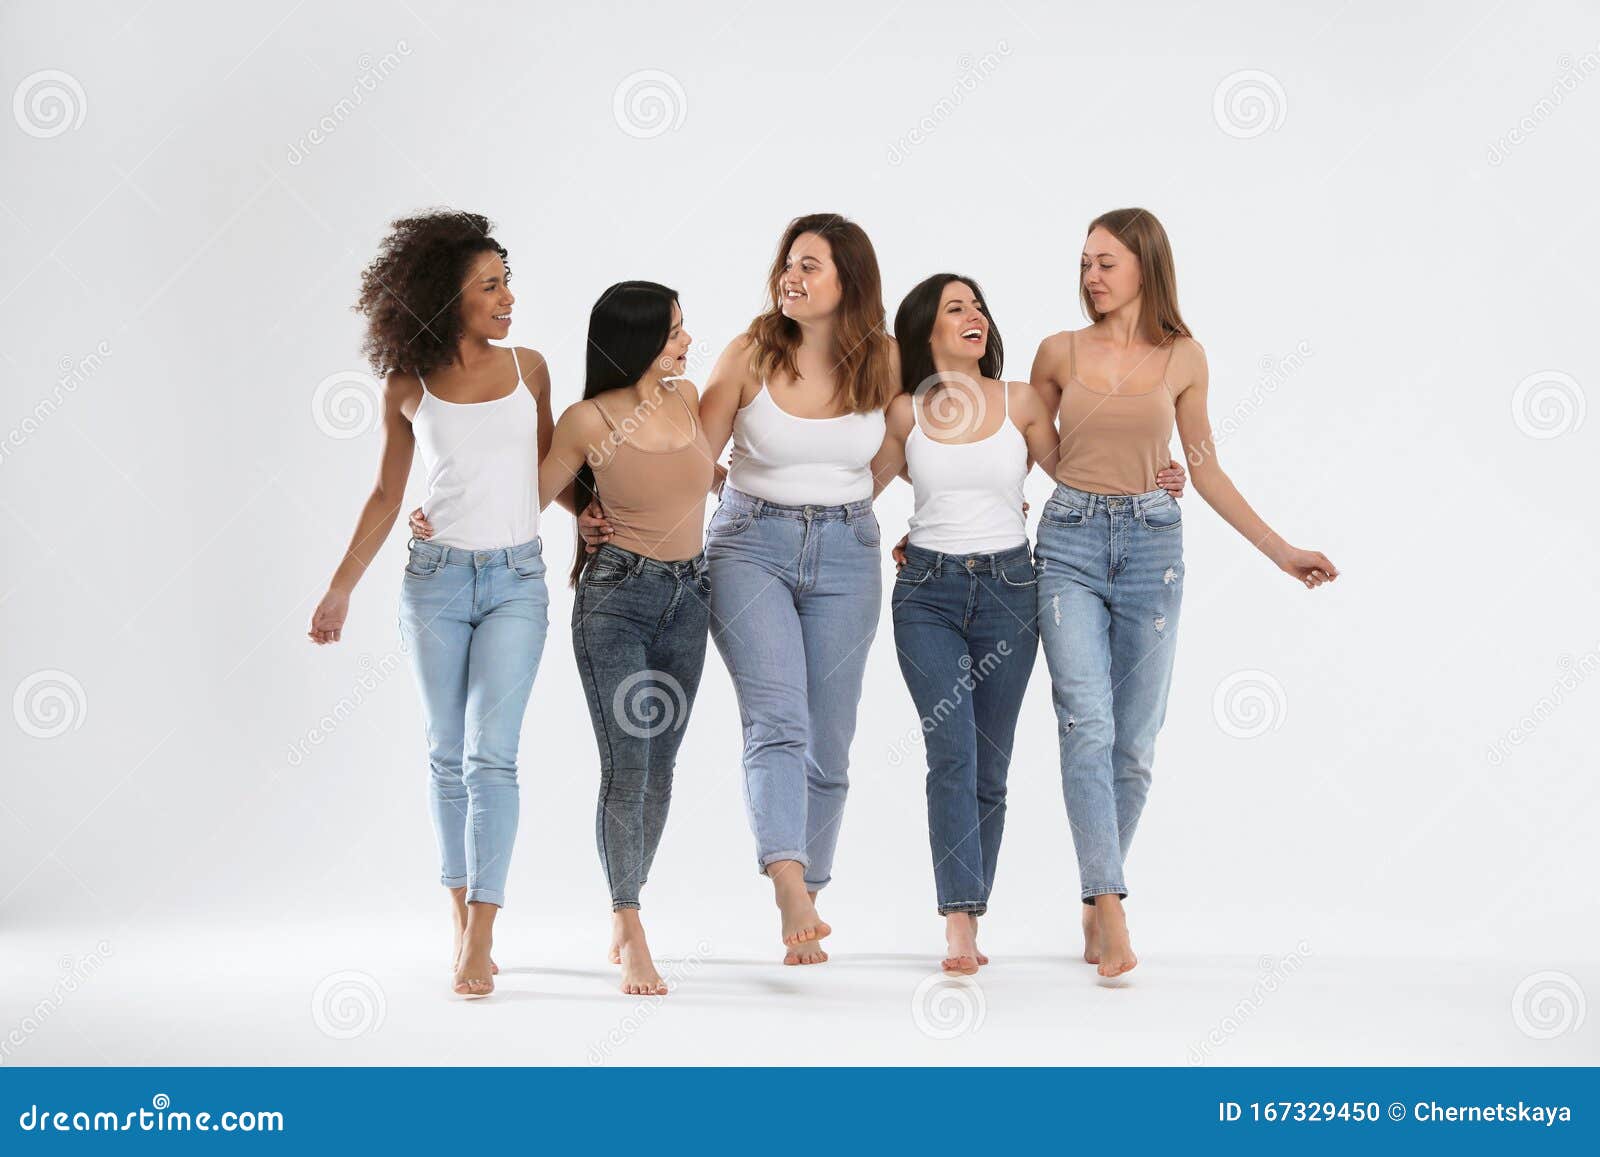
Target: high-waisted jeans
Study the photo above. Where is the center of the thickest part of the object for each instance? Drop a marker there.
(966, 629)
(474, 622)
(795, 592)
(639, 634)
(1110, 585)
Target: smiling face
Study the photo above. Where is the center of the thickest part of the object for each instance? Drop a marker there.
(486, 298)
(673, 359)
(961, 326)
(1110, 271)
(809, 287)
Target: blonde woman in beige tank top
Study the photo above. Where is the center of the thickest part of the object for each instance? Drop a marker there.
(1110, 545)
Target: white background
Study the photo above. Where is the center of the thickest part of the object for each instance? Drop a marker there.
(170, 517)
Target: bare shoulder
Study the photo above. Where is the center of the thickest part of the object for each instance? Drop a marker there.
(402, 387)
(1023, 399)
(580, 418)
(1053, 349)
(899, 413)
(535, 370)
(1188, 362)
(686, 388)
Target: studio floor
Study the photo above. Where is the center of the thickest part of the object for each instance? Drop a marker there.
(321, 994)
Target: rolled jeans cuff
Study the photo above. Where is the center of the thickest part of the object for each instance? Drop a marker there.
(486, 896)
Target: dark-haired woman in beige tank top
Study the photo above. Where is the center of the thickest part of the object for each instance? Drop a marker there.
(1110, 545)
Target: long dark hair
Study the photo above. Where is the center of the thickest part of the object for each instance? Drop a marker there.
(913, 329)
(410, 292)
(866, 382)
(627, 328)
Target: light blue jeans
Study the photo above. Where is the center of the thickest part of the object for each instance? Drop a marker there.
(1110, 573)
(795, 592)
(475, 623)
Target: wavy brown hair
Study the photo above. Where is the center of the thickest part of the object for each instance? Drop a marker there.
(862, 355)
(410, 292)
(1139, 230)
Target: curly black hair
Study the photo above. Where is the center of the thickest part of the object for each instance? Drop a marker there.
(409, 292)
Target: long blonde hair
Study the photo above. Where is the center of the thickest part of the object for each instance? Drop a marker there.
(863, 354)
(1139, 230)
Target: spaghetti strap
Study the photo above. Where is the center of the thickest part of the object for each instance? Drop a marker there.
(1072, 355)
(694, 419)
(603, 413)
(518, 363)
(1005, 392)
(1166, 374)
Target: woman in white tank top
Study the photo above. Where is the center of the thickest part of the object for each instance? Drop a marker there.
(793, 548)
(473, 604)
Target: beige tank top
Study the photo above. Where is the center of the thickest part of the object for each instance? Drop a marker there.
(655, 500)
(1113, 443)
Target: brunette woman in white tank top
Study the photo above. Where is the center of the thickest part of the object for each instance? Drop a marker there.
(473, 604)
(793, 548)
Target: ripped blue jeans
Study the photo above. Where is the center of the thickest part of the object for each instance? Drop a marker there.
(1110, 573)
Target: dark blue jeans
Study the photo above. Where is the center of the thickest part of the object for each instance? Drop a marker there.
(639, 633)
(966, 629)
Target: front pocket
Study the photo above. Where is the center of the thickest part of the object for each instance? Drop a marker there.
(423, 566)
(604, 574)
(911, 576)
(1060, 514)
(1019, 574)
(866, 528)
(727, 525)
(531, 567)
(1162, 516)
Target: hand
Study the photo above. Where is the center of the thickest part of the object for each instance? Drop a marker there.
(327, 621)
(419, 524)
(593, 527)
(1172, 479)
(899, 550)
(1311, 567)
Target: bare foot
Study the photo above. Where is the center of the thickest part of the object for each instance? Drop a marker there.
(473, 977)
(961, 944)
(1116, 949)
(796, 906)
(458, 914)
(808, 953)
(639, 975)
(982, 959)
(1091, 936)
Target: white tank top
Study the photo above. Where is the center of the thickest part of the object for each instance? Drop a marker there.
(803, 461)
(481, 462)
(968, 494)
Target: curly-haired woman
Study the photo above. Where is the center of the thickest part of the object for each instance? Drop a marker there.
(473, 604)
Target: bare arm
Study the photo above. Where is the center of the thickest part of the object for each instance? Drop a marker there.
(579, 432)
(1046, 377)
(377, 516)
(1213, 484)
(889, 462)
(731, 378)
(1038, 427)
